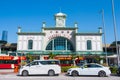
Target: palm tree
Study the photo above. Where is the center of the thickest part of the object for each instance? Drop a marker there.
(51, 55)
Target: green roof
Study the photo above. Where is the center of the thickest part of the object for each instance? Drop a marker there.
(93, 53)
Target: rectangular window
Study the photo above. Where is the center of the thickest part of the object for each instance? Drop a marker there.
(89, 45)
(30, 44)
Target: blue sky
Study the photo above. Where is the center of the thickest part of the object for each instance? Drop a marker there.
(29, 15)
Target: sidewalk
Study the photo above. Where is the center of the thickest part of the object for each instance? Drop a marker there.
(7, 71)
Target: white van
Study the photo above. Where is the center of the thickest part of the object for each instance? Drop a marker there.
(41, 67)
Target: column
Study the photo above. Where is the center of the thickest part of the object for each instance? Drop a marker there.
(53, 44)
(0, 49)
(66, 44)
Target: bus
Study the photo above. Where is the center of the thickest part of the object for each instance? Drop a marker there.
(11, 60)
(68, 60)
(65, 61)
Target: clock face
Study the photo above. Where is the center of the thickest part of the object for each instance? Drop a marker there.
(60, 22)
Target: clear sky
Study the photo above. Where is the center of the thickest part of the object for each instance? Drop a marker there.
(29, 15)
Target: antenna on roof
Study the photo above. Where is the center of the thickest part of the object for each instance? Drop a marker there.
(60, 10)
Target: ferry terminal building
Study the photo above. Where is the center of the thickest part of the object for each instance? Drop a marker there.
(61, 40)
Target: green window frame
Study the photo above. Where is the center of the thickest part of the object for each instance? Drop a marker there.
(30, 44)
(60, 43)
(89, 44)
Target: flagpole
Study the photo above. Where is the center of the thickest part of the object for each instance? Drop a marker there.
(115, 32)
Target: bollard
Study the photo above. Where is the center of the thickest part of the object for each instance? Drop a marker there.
(16, 69)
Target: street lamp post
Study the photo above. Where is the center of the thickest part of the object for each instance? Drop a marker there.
(103, 22)
(0, 48)
(21, 59)
(115, 33)
(118, 54)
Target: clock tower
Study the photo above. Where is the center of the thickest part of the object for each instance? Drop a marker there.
(60, 19)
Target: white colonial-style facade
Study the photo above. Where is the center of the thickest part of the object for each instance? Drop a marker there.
(60, 39)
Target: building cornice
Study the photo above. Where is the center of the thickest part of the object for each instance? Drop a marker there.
(89, 33)
(59, 28)
(31, 33)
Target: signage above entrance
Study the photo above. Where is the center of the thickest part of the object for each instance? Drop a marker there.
(59, 35)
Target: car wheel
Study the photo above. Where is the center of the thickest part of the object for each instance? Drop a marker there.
(25, 73)
(74, 73)
(51, 73)
(102, 74)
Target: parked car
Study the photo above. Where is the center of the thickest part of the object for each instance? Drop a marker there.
(118, 71)
(40, 67)
(90, 69)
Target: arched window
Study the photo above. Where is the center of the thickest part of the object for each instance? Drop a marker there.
(30, 44)
(89, 45)
(59, 43)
